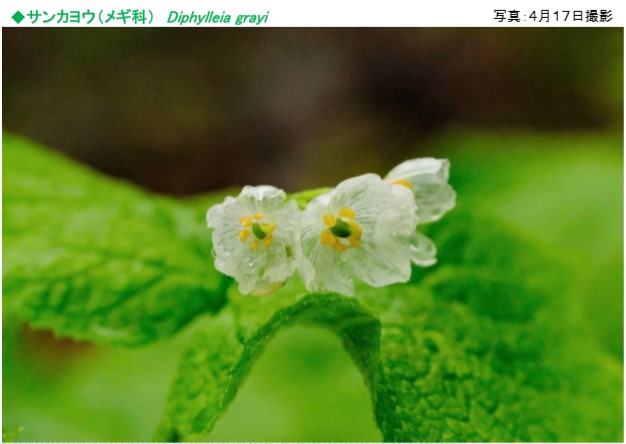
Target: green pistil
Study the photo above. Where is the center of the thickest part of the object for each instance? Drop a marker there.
(341, 229)
(258, 231)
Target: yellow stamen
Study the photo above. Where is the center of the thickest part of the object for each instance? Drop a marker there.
(254, 245)
(403, 182)
(348, 213)
(343, 226)
(339, 246)
(268, 228)
(357, 231)
(258, 216)
(245, 221)
(326, 238)
(329, 220)
(243, 235)
(267, 241)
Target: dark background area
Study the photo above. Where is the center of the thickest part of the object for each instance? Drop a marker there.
(183, 111)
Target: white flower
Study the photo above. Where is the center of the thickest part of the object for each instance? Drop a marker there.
(428, 179)
(360, 229)
(253, 238)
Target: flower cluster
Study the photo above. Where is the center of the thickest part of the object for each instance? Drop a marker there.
(363, 229)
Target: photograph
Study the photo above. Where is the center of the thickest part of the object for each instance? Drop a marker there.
(280, 234)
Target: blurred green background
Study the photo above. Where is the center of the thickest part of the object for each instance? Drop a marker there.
(532, 120)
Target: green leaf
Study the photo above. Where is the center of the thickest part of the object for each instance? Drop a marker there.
(479, 348)
(97, 259)
(567, 190)
(10, 435)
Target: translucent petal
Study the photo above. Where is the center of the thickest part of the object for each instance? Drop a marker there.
(280, 261)
(382, 264)
(320, 266)
(429, 179)
(384, 257)
(397, 215)
(262, 270)
(386, 215)
(214, 214)
(418, 167)
(262, 199)
(378, 206)
(245, 268)
(278, 265)
(423, 250)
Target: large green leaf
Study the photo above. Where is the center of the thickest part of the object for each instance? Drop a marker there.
(568, 191)
(479, 348)
(96, 259)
